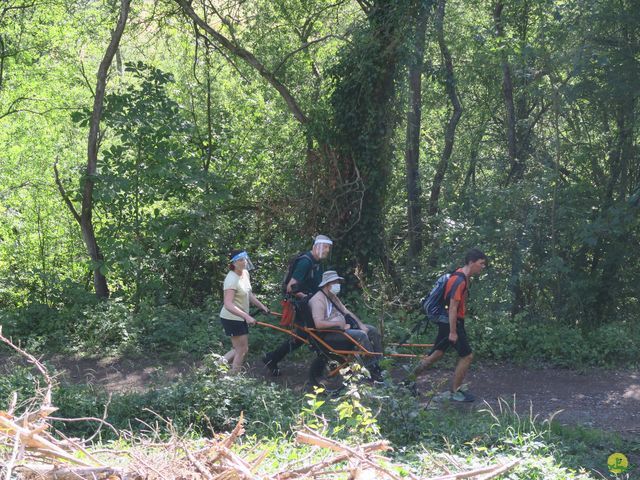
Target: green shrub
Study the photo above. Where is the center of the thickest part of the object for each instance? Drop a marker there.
(105, 327)
(205, 400)
(615, 343)
(554, 344)
(168, 328)
(21, 380)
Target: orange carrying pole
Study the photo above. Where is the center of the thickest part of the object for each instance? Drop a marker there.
(360, 349)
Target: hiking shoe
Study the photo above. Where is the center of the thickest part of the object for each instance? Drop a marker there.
(271, 365)
(442, 397)
(462, 396)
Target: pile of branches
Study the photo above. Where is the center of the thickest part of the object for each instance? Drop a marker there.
(33, 449)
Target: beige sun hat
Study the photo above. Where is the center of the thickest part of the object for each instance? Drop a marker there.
(330, 276)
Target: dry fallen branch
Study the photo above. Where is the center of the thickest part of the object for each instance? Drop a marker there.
(354, 453)
(46, 396)
(32, 452)
(46, 472)
(27, 435)
(483, 473)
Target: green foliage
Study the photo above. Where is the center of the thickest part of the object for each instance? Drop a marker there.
(346, 416)
(199, 155)
(114, 328)
(208, 401)
(553, 344)
(21, 380)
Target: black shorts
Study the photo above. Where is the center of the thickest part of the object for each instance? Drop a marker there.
(234, 328)
(442, 340)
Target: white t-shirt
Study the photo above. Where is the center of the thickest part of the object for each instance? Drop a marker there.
(242, 286)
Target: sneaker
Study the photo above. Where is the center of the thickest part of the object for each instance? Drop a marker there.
(462, 396)
(271, 365)
(442, 397)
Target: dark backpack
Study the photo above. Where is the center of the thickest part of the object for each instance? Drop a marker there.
(435, 305)
(303, 312)
(291, 267)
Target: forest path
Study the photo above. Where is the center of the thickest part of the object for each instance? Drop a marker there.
(604, 399)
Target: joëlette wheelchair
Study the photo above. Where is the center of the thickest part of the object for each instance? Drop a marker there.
(330, 360)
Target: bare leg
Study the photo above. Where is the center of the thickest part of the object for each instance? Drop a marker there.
(427, 361)
(240, 347)
(461, 370)
(229, 356)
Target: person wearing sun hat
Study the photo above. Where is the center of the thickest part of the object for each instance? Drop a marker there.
(234, 315)
(329, 312)
(305, 276)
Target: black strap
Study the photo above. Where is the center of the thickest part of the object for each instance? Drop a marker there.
(308, 275)
(461, 276)
(344, 314)
(347, 317)
(308, 256)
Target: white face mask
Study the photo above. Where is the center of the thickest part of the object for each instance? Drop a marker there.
(335, 288)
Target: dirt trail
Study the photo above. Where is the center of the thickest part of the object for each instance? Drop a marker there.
(597, 398)
(608, 400)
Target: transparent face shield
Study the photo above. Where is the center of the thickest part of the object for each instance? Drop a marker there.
(322, 249)
(248, 265)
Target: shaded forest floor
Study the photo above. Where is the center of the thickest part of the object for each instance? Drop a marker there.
(596, 398)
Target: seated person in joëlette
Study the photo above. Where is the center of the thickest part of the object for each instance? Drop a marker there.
(329, 312)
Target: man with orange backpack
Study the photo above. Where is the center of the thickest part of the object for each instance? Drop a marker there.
(451, 331)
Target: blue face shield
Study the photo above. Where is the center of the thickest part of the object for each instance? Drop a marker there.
(243, 256)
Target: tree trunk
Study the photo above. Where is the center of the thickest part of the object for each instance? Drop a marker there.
(611, 247)
(86, 214)
(450, 130)
(356, 153)
(368, 141)
(470, 177)
(516, 165)
(2, 48)
(414, 116)
(507, 95)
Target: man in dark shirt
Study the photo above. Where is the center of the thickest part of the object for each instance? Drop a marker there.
(306, 276)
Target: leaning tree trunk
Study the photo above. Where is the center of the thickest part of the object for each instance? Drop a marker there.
(349, 166)
(85, 217)
(86, 214)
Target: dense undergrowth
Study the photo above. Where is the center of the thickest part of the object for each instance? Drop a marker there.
(115, 328)
(209, 401)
